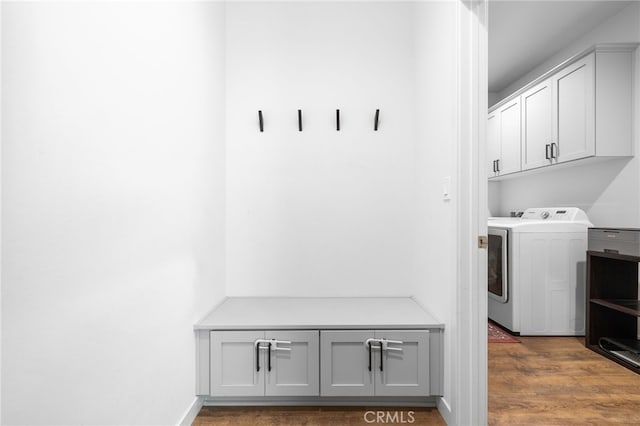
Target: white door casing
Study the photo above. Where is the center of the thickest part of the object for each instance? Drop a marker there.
(466, 402)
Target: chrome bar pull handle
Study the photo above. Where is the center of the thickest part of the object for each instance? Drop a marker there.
(546, 151)
(554, 153)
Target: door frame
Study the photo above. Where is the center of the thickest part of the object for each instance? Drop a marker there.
(469, 394)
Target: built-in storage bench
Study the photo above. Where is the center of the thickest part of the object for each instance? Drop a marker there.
(319, 351)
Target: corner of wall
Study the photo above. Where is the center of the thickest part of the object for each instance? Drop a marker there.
(445, 411)
(192, 412)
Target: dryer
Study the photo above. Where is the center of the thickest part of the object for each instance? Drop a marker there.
(537, 271)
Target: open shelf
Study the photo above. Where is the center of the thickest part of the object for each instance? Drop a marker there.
(612, 307)
(628, 306)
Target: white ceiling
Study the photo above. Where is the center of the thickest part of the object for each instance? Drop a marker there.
(523, 33)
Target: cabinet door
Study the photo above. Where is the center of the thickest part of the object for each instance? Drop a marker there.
(537, 125)
(294, 372)
(493, 142)
(345, 363)
(405, 372)
(509, 159)
(234, 364)
(575, 111)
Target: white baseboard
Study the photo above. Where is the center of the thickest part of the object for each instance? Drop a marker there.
(192, 412)
(445, 411)
(320, 402)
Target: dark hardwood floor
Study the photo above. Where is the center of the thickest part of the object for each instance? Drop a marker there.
(557, 381)
(541, 381)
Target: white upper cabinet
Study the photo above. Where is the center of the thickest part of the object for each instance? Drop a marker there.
(493, 142)
(510, 137)
(581, 109)
(503, 138)
(574, 114)
(537, 129)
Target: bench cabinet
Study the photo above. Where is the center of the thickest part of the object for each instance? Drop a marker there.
(257, 363)
(311, 351)
(375, 363)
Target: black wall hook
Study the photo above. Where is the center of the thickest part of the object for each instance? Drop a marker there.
(299, 120)
(338, 120)
(260, 121)
(375, 122)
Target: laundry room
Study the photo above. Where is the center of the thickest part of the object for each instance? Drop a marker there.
(562, 141)
(607, 189)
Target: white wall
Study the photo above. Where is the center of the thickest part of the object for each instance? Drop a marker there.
(610, 191)
(435, 159)
(320, 212)
(118, 185)
(112, 195)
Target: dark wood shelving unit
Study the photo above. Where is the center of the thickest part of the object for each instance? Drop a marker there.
(631, 307)
(613, 307)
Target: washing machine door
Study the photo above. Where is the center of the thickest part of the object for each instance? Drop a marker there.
(498, 277)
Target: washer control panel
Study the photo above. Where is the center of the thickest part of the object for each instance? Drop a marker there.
(555, 214)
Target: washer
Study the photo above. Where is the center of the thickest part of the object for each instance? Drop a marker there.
(537, 271)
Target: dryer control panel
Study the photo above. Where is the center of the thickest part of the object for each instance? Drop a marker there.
(570, 214)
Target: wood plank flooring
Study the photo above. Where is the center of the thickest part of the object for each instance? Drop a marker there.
(557, 381)
(541, 381)
(314, 416)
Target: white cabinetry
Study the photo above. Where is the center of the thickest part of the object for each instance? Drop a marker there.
(574, 112)
(310, 350)
(493, 142)
(537, 127)
(264, 363)
(345, 363)
(580, 109)
(558, 117)
(375, 363)
(503, 139)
